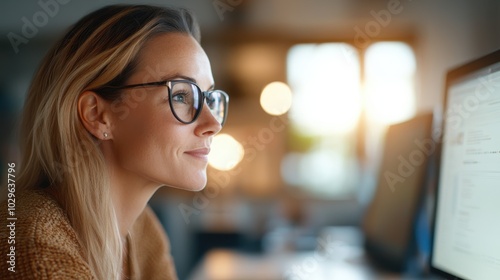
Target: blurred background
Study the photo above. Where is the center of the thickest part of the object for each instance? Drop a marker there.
(313, 87)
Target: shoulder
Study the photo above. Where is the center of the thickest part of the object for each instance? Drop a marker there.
(42, 239)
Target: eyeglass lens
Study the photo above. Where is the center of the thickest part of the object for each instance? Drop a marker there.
(187, 102)
(217, 103)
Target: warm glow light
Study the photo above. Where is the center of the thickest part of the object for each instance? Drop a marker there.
(276, 98)
(220, 265)
(225, 152)
(389, 103)
(316, 170)
(326, 84)
(390, 70)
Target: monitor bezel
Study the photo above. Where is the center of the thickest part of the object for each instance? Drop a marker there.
(452, 76)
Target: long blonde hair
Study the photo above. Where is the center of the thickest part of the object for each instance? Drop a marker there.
(57, 151)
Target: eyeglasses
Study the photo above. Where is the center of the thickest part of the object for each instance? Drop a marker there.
(186, 99)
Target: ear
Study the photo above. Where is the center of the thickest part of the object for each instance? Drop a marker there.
(93, 112)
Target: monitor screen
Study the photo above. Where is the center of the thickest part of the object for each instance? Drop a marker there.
(466, 242)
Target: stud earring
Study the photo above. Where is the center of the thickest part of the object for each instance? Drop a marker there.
(105, 135)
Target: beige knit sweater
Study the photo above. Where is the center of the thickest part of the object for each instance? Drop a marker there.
(46, 245)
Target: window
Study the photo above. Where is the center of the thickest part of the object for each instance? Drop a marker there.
(331, 100)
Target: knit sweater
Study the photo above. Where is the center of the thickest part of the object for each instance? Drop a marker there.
(46, 245)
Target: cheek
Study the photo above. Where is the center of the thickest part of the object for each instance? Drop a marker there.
(150, 136)
(137, 133)
(150, 143)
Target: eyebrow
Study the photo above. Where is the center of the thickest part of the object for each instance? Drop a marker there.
(178, 76)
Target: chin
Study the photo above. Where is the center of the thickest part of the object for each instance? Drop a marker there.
(194, 184)
(197, 189)
(199, 181)
(189, 181)
(191, 188)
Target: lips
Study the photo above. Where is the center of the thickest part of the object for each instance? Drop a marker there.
(201, 153)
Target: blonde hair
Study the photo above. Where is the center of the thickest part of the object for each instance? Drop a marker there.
(57, 151)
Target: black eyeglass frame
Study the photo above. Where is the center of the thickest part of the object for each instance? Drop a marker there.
(169, 84)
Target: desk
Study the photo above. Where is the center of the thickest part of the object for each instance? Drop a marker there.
(231, 265)
(341, 258)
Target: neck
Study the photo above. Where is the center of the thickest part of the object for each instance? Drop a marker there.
(129, 193)
(129, 199)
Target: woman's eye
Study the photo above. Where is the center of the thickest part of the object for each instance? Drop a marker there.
(181, 97)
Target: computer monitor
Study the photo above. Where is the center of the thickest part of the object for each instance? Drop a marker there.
(466, 232)
(389, 221)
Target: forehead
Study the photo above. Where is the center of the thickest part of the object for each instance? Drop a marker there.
(173, 54)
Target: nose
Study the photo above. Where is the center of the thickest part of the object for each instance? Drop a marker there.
(207, 124)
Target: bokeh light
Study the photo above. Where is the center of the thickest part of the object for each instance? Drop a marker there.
(276, 98)
(325, 79)
(226, 152)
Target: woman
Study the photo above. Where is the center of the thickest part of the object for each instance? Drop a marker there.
(124, 103)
